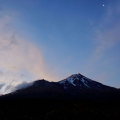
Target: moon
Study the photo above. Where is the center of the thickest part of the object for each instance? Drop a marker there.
(103, 5)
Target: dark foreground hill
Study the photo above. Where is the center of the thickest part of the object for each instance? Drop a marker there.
(54, 109)
(75, 97)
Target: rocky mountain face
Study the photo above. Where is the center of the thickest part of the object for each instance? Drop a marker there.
(82, 82)
(74, 86)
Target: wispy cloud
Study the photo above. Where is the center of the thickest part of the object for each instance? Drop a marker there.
(20, 60)
(107, 36)
(23, 85)
(1, 85)
(107, 33)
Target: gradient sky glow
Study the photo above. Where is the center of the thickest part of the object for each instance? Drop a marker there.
(52, 39)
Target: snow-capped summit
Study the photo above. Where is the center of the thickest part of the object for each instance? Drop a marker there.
(78, 80)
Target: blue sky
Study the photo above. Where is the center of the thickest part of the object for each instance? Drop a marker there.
(53, 39)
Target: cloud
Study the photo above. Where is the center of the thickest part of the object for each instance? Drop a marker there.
(20, 59)
(23, 85)
(107, 33)
(8, 87)
(1, 85)
(106, 37)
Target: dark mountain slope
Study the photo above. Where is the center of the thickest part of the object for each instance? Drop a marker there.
(83, 82)
(75, 97)
(75, 86)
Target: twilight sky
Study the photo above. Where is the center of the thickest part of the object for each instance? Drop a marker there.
(52, 39)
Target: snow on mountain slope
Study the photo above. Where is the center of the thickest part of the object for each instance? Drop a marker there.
(78, 80)
(73, 84)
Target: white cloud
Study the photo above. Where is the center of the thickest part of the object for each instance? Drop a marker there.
(20, 60)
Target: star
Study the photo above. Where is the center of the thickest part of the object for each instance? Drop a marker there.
(103, 5)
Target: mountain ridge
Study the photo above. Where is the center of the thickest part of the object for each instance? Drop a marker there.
(75, 86)
(83, 82)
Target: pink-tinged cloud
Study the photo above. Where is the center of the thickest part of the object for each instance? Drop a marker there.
(20, 60)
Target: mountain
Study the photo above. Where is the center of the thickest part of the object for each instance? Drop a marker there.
(82, 82)
(75, 97)
(74, 86)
